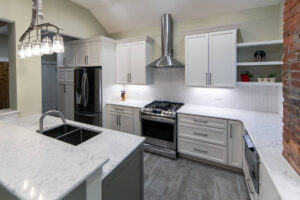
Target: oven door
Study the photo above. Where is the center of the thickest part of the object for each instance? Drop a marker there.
(159, 131)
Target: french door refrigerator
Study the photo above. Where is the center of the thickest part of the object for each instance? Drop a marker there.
(88, 95)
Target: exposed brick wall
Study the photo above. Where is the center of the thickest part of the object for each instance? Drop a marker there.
(291, 83)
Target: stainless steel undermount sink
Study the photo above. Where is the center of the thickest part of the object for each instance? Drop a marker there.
(65, 132)
(71, 134)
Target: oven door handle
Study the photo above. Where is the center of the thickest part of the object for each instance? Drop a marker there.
(158, 119)
(249, 143)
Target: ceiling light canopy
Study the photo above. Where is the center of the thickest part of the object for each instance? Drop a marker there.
(36, 40)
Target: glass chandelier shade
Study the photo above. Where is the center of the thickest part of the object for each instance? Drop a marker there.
(28, 52)
(58, 44)
(47, 46)
(36, 48)
(21, 51)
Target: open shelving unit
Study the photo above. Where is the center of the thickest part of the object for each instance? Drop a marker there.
(277, 84)
(266, 63)
(271, 64)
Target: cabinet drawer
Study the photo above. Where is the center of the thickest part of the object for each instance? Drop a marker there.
(204, 121)
(120, 109)
(203, 150)
(203, 133)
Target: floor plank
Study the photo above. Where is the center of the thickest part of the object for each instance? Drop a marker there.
(184, 179)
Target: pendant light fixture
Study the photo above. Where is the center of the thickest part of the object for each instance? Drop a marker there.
(36, 40)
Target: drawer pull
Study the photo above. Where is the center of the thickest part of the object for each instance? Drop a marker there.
(119, 109)
(201, 151)
(201, 121)
(201, 134)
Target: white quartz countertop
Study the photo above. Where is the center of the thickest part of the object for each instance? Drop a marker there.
(114, 145)
(265, 129)
(34, 166)
(130, 103)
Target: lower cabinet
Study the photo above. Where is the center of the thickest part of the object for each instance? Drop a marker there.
(267, 188)
(124, 119)
(66, 99)
(211, 139)
(235, 144)
(66, 92)
(127, 180)
(203, 150)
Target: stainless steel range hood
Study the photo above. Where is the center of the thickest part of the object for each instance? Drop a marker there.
(167, 59)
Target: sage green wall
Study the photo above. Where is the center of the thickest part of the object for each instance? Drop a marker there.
(256, 24)
(25, 74)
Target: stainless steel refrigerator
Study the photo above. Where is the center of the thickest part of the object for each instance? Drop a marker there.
(88, 95)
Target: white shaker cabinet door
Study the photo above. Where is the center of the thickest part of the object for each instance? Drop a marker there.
(81, 55)
(126, 123)
(122, 63)
(138, 63)
(222, 58)
(113, 121)
(69, 56)
(69, 101)
(235, 144)
(94, 55)
(61, 60)
(62, 98)
(196, 58)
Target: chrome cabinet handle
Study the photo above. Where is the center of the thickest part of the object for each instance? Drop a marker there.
(119, 120)
(130, 77)
(250, 190)
(65, 88)
(201, 134)
(195, 120)
(206, 78)
(201, 151)
(230, 132)
(87, 60)
(210, 77)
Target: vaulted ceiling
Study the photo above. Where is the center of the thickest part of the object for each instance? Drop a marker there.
(124, 15)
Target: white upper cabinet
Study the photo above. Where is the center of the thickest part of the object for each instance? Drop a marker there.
(196, 60)
(66, 59)
(211, 59)
(81, 55)
(88, 54)
(131, 61)
(222, 58)
(94, 55)
(122, 63)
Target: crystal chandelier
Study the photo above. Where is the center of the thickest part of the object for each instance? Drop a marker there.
(36, 40)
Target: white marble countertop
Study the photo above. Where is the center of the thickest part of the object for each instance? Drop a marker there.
(114, 145)
(8, 111)
(130, 103)
(265, 129)
(34, 166)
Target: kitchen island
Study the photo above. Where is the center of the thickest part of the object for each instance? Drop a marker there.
(35, 166)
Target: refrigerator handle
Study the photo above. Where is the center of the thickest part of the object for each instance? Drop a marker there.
(83, 90)
(86, 89)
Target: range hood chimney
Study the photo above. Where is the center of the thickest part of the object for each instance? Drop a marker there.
(166, 60)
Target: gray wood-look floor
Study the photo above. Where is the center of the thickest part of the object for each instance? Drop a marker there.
(184, 179)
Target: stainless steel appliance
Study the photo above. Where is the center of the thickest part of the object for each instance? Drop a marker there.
(159, 127)
(252, 159)
(166, 60)
(88, 95)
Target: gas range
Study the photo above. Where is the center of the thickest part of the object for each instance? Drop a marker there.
(162, 109)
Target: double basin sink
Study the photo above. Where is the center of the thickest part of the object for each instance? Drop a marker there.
(71, 134)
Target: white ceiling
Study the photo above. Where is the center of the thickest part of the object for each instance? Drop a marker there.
(124, 15)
